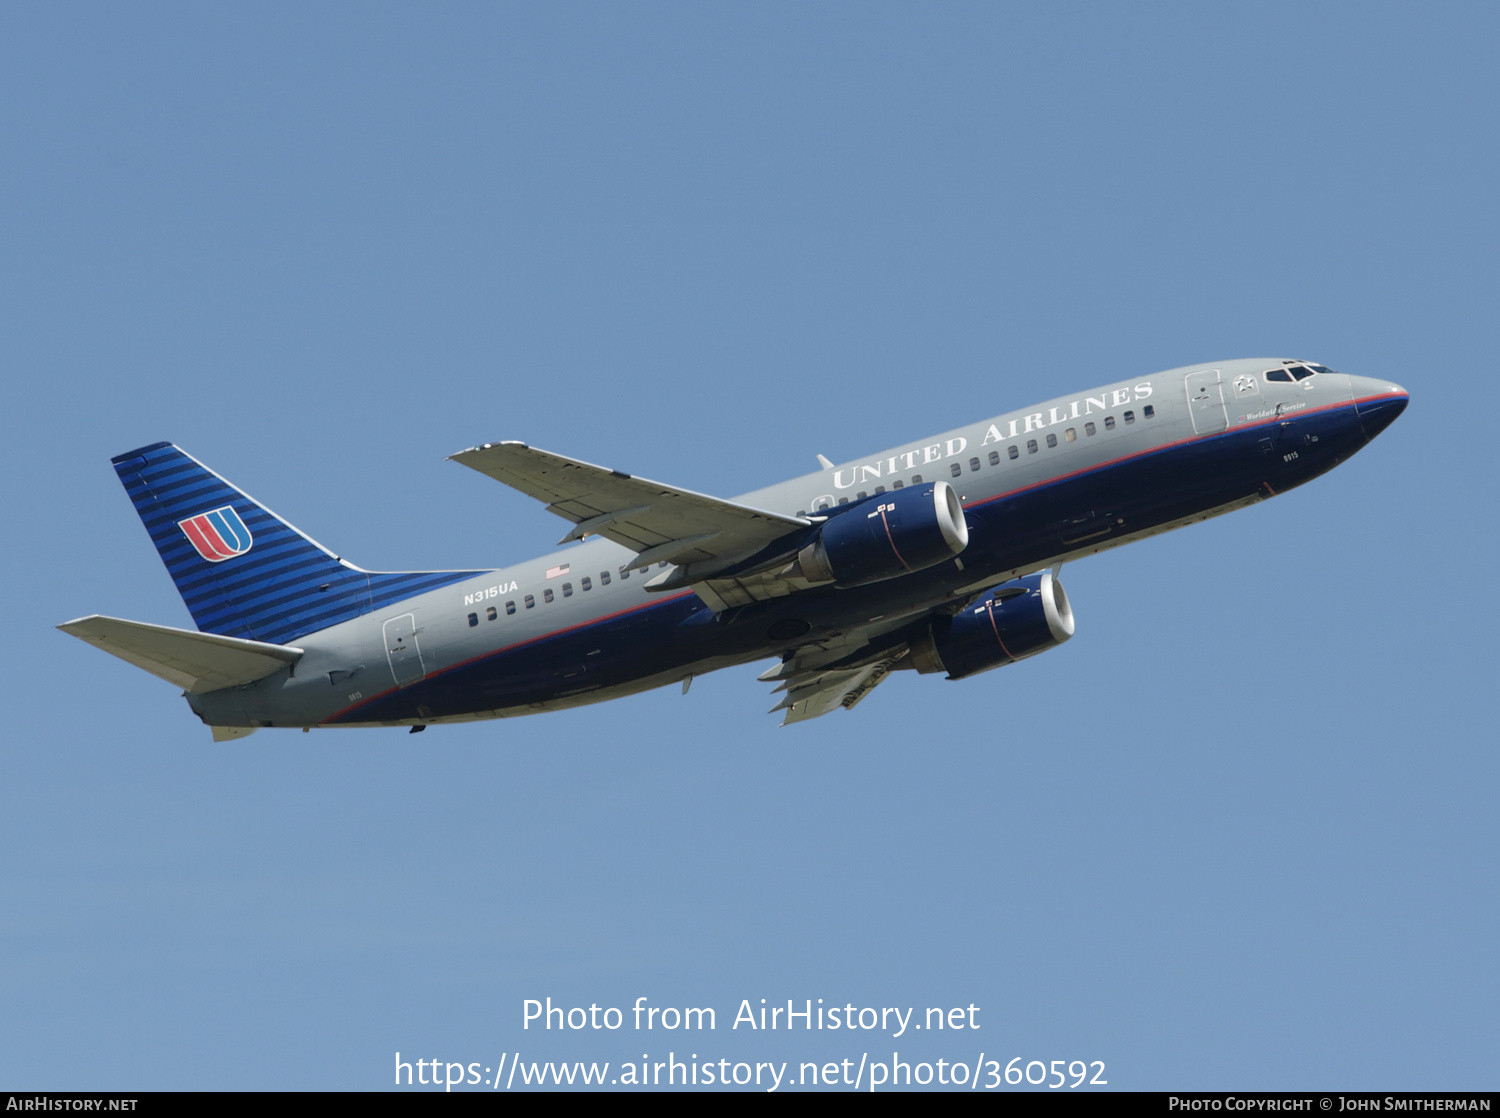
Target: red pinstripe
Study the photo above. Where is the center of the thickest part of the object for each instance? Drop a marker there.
(1185, 442)
(988, 500)
(512, 647)
(990, 606)
(892, 542)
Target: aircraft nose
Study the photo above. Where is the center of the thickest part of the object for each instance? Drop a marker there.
(1379, 405)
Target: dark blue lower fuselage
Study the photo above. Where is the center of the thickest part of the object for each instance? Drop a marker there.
(1013, 531)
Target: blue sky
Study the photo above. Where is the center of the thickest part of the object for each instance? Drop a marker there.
(1239, 833)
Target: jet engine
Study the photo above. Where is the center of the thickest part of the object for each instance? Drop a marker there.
(1010, 622)
(900, 532)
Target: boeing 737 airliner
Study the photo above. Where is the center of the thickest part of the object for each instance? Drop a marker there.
(939, 556)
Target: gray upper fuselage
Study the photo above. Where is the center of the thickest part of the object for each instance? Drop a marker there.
(1002, 466)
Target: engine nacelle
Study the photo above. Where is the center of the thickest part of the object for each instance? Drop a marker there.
(1011, 622)
(900, 532)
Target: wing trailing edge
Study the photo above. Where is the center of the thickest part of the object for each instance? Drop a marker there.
(814, 694)
(813, 682)
(660, 523)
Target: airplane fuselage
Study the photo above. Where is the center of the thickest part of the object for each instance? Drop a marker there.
(1057, 481)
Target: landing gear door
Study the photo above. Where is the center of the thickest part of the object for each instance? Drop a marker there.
(1205, 393)
(402, 651)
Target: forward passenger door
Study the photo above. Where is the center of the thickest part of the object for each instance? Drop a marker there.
(1205, 394)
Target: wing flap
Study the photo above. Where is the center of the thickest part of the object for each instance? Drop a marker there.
(693, 529)
(196, 662)
(741, 591)
(823, 692)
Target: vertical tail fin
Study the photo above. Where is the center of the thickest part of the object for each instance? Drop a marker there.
(241, 569)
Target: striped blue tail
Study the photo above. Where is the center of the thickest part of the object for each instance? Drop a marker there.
(241, 569)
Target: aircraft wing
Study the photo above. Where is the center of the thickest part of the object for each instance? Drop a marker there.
(811, 694)
(661, 523)
(816, 681)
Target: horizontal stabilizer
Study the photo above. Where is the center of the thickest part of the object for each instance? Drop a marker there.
(196, 662)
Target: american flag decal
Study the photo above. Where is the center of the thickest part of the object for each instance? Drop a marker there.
(557, 572)
(217, 535)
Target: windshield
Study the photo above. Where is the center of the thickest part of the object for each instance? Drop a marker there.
(1295, 370)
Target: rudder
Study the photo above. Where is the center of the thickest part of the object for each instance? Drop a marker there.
(241, 569)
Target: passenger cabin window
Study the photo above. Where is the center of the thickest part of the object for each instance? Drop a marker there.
(547, 594)
(898, 484)
(879, 489)
(490, 614)
(585, 583)
(624, 573)
(603, 578)
(1030, 446)
(973, 463)
(510, 608)
(843, 500)
(1148, 411)
(1109, 423)
(994, 458)
(955, 469)
(473, 620)
(567, 590)
(861, 494)
(529, 600)
(1051, 440)
(1013, 451)
(1089, 428)
(916, 479)
(1130, 417)
(1071, 434)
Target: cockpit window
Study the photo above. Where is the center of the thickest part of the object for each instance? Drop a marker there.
(1319, 368)
(1279, 375)
(1301, 372)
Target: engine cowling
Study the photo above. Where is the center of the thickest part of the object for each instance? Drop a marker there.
(1011, 622)
(902, 531)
